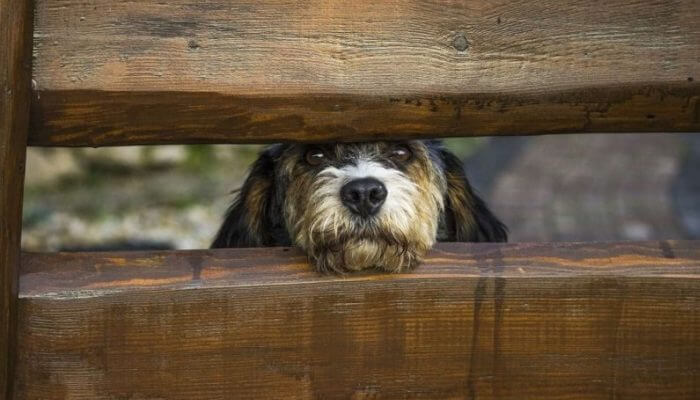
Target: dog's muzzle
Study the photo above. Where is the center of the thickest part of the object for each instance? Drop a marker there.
(364, 196)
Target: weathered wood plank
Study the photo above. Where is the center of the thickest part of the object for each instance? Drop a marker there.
(519, 321)
(258, 71)
(15, 88)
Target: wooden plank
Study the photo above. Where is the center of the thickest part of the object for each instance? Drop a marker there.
(517, 321)
(15, 94)
(191, 71)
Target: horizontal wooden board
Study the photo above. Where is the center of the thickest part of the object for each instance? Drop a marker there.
(517, 321)
(213, 71)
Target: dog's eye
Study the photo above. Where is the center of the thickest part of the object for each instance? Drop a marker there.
(315, 156)
(400, 153)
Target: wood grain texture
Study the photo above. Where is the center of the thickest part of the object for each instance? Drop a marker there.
(15, 87)
(517, 321)
(258, 71)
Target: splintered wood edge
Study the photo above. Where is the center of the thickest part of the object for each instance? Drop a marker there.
(75, 275)
(104, 118)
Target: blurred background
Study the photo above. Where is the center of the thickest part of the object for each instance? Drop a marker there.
(545, 188)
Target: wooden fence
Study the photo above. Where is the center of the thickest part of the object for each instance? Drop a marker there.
(546, 321)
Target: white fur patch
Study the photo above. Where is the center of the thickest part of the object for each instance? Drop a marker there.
(398, 208)
(327, 219)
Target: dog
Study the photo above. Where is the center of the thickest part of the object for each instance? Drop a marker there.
(356, 206)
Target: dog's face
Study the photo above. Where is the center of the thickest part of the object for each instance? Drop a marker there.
(358, 205)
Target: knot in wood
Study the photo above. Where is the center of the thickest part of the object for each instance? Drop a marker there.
(460, 42)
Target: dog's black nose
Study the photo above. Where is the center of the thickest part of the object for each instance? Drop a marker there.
(363, 196)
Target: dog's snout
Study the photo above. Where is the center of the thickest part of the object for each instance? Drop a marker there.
(363, 196)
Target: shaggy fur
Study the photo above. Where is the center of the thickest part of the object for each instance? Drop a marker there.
(292, 198)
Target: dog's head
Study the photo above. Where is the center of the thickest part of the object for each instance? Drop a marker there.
(358, 205)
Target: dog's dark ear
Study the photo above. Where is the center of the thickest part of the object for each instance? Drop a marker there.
(254, 217)
(467, 217)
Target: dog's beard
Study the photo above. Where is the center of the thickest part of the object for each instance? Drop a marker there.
(394, 240)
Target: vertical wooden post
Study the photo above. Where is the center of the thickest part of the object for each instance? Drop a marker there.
(15, 84)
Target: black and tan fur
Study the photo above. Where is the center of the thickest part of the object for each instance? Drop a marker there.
(291, 199)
